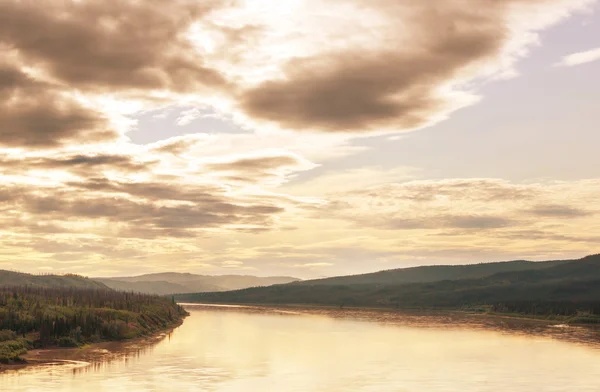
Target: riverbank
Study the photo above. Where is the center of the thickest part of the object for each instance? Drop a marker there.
(105, 351)
(39, 317)
(474, 312)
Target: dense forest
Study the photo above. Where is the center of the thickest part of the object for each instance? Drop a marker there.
(569, 290)
(32, 316)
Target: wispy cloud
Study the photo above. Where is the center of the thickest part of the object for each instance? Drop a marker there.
(580, 58)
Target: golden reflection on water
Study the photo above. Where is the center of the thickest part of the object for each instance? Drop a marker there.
(249, 349)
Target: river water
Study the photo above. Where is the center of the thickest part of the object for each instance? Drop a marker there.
(246, 349)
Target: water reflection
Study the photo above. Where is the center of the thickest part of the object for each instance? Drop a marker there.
(286, 349)
(428, 319)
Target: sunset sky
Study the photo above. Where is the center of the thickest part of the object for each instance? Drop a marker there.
(304, 138)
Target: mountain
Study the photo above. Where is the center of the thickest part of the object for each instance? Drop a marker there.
(570, 284)
(10, 278)
(173, 282)
(434, 273)
(149, 287)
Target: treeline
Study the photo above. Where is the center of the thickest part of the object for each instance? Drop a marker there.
(580, 312)
(41, 317)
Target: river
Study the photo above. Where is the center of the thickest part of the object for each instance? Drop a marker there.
(247, 349)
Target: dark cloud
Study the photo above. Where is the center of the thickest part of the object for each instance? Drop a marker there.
(156, 190)
(148, 209)
(256, 168)
(394, 84)
(82, 164)
(255, 164)
(123, 162)
(37, 115)
(108, 44)
(558, 211)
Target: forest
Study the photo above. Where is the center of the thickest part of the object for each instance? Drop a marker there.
(569, 291)
(32, 317)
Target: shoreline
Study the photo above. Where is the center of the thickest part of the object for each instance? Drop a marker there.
(420, 311)
(490, 316)
(88, 354)
(588, 334)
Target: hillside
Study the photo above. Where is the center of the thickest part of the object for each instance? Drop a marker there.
(10, 278)
(173, 282)
(434, 273)
(154, 287)
(565, 285)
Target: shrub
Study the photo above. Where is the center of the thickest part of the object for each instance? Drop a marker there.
(67, 341)
(11, 350)
(7, 334)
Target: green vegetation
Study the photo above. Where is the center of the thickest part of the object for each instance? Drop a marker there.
(569, 289)
(11, 346)
(172, 282)
(33, 316)
(10, 278)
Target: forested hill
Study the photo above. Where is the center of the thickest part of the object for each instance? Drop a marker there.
(565, 288)
(173, 282)
(11, 278)
(159, 284)
(434, 273)
(39, 317)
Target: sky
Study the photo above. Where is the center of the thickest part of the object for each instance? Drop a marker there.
(305, 138)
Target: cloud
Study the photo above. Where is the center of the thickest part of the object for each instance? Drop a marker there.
(135, 215)
(83, 164)
(36, 114)
(405, 73)
(580, 58)
(104, 59)
(462, 205)
(478, 222)
(546, 235)
(179, 144)
(558, 211)
(142, 194)
(266, 167)
(256, 163)
(313, 265)
(110, 44)
(188, 116)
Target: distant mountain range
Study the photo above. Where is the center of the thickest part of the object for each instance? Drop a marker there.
(11, 278)
(162, 283)
(557, 286)
(173, 282)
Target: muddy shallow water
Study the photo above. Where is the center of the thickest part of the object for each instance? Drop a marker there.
(294, 349)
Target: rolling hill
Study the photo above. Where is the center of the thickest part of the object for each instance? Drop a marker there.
(173, 282)
(560, 285)
(434, 273)
(11, 278)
